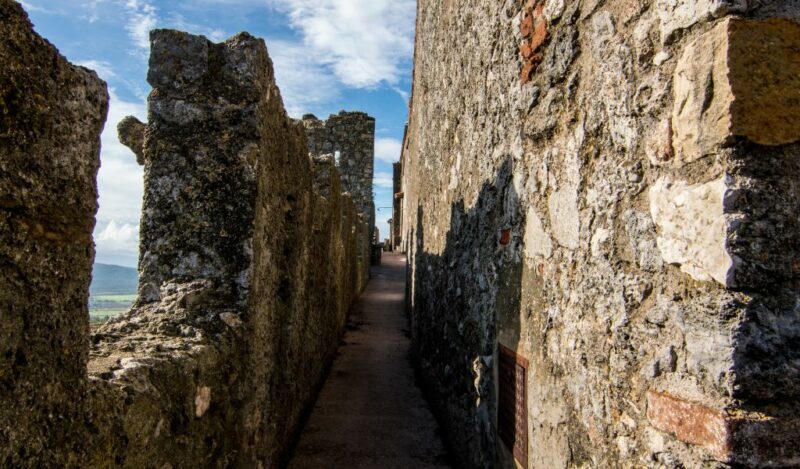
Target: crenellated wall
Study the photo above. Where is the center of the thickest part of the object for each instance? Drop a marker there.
(351, 135)
(249, 263)
(350, 138)
(607, 191)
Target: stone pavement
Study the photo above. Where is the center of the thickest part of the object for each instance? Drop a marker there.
(370, 412)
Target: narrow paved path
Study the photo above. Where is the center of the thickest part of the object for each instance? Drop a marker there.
(370, 413)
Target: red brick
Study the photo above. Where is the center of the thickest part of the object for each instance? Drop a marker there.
(746, 438)
(539, 34)
(690, 422)
(505, 237)
(526, 26)
(526, 50)
(527, 72)
(538, 9)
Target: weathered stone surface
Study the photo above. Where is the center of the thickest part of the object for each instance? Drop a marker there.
(51, 116)
(764, 73)
(564, 217)
(740, 79)
(350, 137)
(701, 119)
(252, 251)
(396, 234)
(681, 14)
(642, 238)
(537, 241)
(541, 216)
(750, 439)
(249, 263)
(692, 229)
(689, 422)
(242, 236)
(131, 134)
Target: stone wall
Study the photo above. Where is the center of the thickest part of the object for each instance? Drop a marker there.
(248, 263)
(351, 136)
(397, 205)
(610, 190)
(51, 115)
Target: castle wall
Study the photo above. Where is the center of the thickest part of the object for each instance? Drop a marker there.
(51, 116)
(248, 263)
(350, 138)
(352, 135)
(609, 190)
(397, 205)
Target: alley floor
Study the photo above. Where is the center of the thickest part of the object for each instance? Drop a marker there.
(370, 413)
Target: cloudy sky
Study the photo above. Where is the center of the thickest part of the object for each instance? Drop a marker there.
(328, 55)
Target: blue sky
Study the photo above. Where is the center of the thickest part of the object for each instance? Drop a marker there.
(328, 55)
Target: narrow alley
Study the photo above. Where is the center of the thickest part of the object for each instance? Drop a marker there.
(370, 412)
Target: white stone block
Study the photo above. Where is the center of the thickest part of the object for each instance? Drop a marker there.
(692, 229)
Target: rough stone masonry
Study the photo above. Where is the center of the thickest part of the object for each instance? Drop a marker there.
(248, 264)
(51, 115)
(350, 137)
(610, 190)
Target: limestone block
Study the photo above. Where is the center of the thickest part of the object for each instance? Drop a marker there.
(692, 228)
(131, 134)
(681, 14)
(642, 240)
(740, 79)
(564, 217)
(537, 241)
(177, 60)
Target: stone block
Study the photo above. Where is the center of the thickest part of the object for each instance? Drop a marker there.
(177, 60)
(740, 79)
(131, 134)
(689, 422)
(681, 14)
(564, 216)
(537, 241)
(749, 439)
(692, 229)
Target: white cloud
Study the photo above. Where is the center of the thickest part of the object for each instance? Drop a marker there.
(142, 17)
(179, 22)
(303, 83)
(31, 7)
(403, 93)
(92, 7)
(383, 179)
(104, 69)
(388, 149)
(118, 238)
(120, 186)
(366, 42)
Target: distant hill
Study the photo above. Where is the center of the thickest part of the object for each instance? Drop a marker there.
(110, 279)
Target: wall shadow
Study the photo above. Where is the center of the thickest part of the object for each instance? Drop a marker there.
(460, 302)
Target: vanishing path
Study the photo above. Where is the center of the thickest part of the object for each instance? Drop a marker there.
(370, 413)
